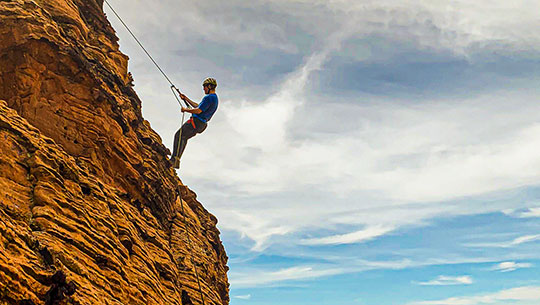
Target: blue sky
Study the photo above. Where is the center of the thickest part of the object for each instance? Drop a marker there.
(379, 153)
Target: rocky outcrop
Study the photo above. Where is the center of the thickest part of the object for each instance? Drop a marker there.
(90, 210)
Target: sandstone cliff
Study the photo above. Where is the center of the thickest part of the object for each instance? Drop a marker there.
(90, 209)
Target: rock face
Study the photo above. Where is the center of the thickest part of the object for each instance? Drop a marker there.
(90, 210)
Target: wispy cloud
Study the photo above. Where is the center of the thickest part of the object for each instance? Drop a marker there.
(400, 151)
(510, 266)
(532, 212)
(524, 239)
(257, 228)
(527, 213)
(242, 297)
(264, 277)
(349, 238)
(520, 295)
(255, 278)
(443, 280)
(507, 244)
(279, 162)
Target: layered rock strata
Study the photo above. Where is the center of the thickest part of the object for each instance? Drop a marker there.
(90, 210)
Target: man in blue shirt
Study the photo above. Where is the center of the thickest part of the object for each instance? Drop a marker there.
(201, 114)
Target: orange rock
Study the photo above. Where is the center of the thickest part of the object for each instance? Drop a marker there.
(89, 206)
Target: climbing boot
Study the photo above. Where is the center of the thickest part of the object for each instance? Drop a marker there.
(175, 161)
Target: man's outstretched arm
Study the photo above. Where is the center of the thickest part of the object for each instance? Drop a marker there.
(187, 100)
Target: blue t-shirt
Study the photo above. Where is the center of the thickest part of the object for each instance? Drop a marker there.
(208, 106)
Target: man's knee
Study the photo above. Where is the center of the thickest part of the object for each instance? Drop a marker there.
(188, 134)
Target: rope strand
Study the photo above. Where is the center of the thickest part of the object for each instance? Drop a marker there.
(140, 44)
(191, 248)
(148, 54)
(173, 87)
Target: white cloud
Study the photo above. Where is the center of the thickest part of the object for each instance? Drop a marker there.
(448, 280)
(507, 244)
(255, 278)
(249, 277)
(403, 164)
(257, 228)
(349, 238)
(457, 27)
(525, 239)
(242, 297)
(527, 213)
(518, 296)
(532, 212)
(434, 152)
(438, 152)
(510, 266)
(413, 155)
(431, 24)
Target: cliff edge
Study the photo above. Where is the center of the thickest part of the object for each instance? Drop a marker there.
(90, 210)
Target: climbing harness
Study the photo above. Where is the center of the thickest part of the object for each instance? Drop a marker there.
(192, 123)
(173, 89)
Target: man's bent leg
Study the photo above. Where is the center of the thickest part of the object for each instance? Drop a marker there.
(188, 132)
(176, 144)
(179, 143)
(199, 128)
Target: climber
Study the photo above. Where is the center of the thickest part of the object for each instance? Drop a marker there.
(201, 114)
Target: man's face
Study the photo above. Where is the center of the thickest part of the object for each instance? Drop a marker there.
(206, 89)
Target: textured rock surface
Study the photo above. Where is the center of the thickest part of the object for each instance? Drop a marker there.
(89, 207)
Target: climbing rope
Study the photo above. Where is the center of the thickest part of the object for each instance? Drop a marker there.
(191, 247)
(140, 44)
(183, 116)
(173, 89)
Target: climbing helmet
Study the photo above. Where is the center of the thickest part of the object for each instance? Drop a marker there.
(210, 81)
